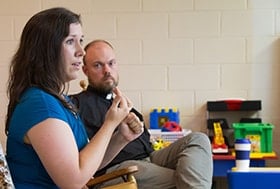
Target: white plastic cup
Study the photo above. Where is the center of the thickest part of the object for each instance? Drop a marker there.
(242, 154)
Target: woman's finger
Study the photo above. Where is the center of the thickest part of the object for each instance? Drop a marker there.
(125, 100)
(117, 91)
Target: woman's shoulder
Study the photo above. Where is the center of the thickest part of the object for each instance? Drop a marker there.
(38, 99)
(35, 90)
(37, 94)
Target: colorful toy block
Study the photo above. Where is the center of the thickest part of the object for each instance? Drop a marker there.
(159, 116)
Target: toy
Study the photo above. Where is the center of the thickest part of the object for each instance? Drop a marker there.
(158, 117)
(218, 142)
(171, 126)
(159, 143)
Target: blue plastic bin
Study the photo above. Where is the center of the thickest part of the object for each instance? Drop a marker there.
(256, 178)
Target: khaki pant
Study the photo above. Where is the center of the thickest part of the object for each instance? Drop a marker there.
(185, 164)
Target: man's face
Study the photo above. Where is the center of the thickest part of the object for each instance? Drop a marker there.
(101, 68)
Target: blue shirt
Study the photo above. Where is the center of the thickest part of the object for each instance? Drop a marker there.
(34, 107)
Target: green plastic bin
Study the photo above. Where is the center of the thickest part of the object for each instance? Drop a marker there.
(260, 135)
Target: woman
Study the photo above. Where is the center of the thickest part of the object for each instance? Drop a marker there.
(47, 146)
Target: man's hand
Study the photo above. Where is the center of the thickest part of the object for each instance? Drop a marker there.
(119, 109)
(134, 123)
(131, 127)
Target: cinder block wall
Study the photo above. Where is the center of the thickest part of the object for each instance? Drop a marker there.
(174, 53)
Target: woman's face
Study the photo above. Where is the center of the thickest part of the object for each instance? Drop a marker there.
(73, 52)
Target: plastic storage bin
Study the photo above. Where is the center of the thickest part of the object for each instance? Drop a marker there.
(255, 178)
(168, 136)
(260, 135)
(161, 139)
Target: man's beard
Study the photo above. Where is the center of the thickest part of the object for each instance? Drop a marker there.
(104, 88)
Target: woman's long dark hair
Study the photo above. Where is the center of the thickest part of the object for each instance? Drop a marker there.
(37, 61)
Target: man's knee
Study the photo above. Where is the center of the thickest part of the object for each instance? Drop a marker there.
(200, 139)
